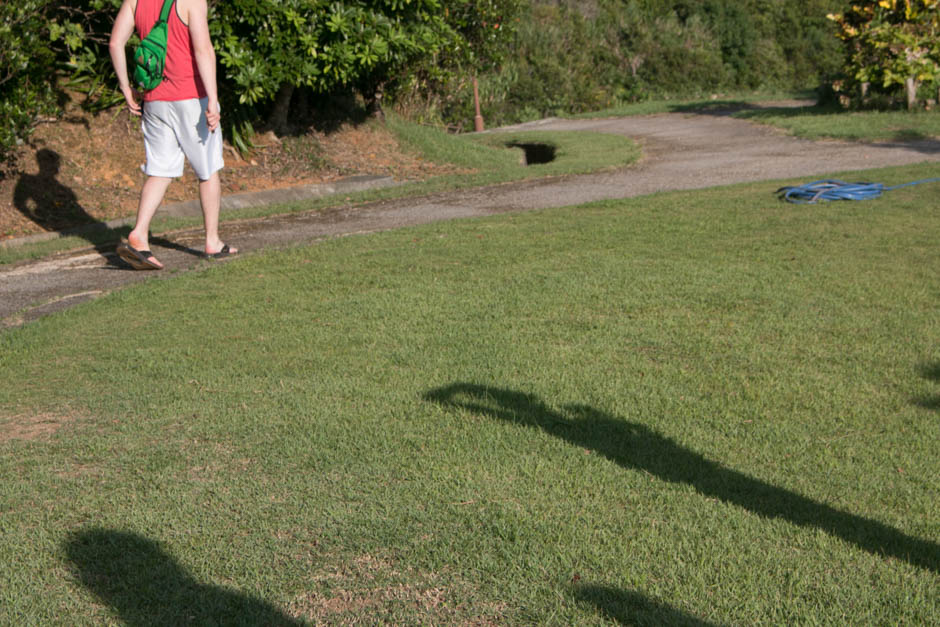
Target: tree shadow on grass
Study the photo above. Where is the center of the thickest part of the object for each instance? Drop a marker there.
(632, 608)
(931, 372)
(635, 446)
(910, 139)
(146, 586)
(746, 109)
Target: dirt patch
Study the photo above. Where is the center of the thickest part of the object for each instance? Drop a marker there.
(370, 586)
(84, 168)
(39, 427)
(225, 460)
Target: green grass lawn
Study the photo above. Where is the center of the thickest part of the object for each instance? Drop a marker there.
(487, 159)
(828, 123)
(703, 408)
(810, 121)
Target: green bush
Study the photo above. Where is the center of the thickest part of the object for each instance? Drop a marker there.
(552, 66)
(439, 87)
(268, 51)
(26, 62)
(677, 59)
(569, 57)
(42, 43)
(265, 45)
(532, 60)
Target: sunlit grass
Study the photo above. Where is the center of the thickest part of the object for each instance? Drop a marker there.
(701, 407)
(822, 122)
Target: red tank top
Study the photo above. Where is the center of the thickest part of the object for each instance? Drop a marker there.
(180, 75)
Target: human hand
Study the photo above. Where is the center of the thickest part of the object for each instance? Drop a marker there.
(213, 116)
(130, 97)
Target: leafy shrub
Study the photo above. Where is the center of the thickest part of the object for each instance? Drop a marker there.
(890, 46)
(265, 44)
(439, 87)
(270, 48)
(42, 41)
(532, 59)
(25, 64)
(570, 56)
(552, 65)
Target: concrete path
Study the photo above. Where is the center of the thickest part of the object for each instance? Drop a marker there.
(681, 151)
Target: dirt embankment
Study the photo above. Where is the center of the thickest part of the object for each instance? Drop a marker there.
(83, 168)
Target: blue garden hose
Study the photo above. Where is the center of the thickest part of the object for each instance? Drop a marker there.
(838, 190)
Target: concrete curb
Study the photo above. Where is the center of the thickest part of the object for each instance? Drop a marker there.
(236, 201)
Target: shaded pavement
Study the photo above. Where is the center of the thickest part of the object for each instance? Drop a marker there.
(680, 151)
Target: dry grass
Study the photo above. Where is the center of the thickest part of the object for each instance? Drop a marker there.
(368, 586)
(33, 427)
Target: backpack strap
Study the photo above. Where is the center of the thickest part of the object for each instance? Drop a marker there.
(165, 13)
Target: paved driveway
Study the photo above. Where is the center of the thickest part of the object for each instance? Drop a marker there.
(681, 151)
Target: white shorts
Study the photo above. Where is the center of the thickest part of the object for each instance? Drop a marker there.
(174, 129)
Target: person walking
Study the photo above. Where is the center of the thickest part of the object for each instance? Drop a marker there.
(180, 118)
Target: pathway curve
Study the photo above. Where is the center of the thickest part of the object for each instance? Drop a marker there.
(681, 151)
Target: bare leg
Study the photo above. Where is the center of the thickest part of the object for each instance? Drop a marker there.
(150, 198)
(210, 197)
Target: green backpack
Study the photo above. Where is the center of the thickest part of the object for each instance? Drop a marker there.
(150, 55)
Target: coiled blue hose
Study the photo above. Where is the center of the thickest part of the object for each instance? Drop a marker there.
(832, 189)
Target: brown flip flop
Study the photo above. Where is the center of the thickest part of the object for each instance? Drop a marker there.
(225, 252)
(138, 259)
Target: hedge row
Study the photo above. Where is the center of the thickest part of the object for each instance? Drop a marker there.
(269, 51)
(532, 58)
(580, 55)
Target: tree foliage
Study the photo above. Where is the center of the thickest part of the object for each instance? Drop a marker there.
(892, 44)
(267, 51)
(25, 63)
(531, 58)
(484, 29)
(45, 46)
(576, 55)
(265, 44)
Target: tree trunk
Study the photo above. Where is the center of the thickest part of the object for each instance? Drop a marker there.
(911, 86)
(278, 118)
(373, 98)
(302, 107)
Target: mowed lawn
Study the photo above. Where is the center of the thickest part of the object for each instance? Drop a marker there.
(703, 408)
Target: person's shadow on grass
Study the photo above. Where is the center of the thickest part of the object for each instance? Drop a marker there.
(146, 586)
(633, 445)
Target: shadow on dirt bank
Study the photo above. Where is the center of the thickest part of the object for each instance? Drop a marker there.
(42, 198)
(54, 206)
